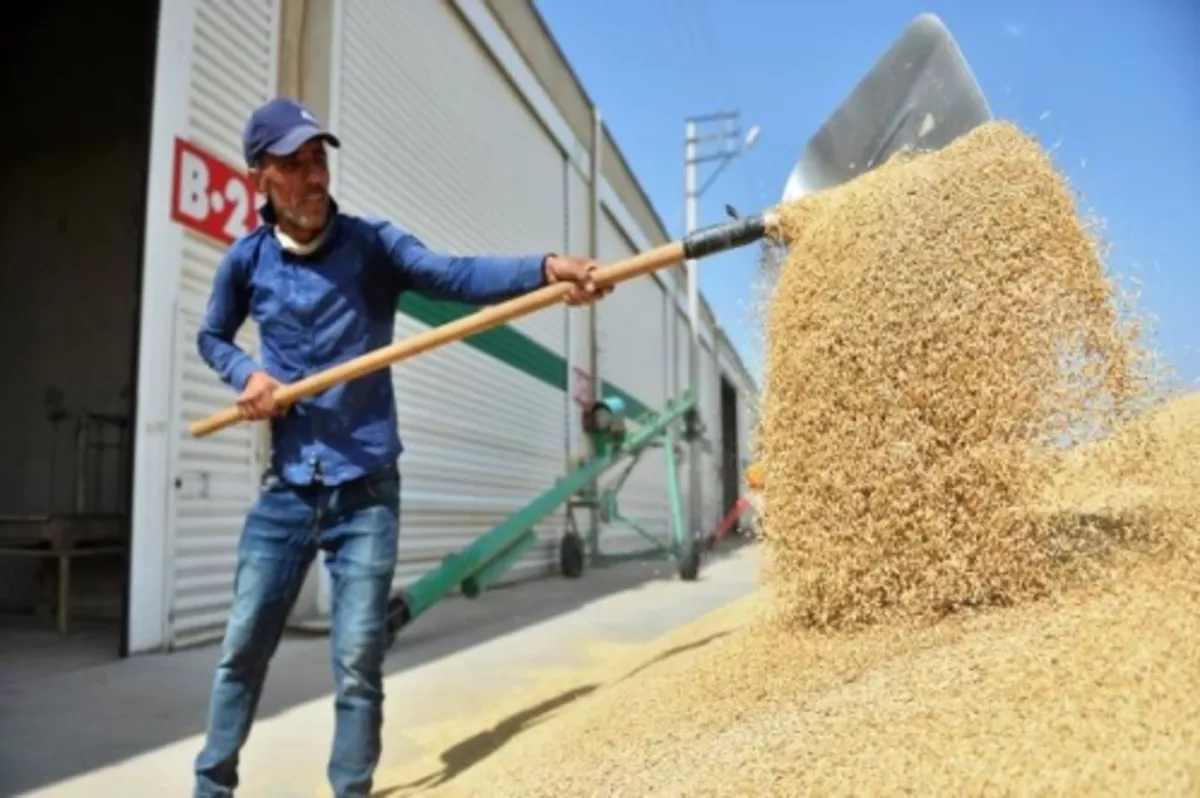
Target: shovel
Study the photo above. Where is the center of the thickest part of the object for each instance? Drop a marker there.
(919, 95)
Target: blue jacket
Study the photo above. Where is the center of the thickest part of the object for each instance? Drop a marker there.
(315, 311)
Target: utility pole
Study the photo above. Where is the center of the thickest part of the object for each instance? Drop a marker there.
(733, 144)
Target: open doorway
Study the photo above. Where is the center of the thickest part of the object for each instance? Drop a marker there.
(730, 446)
(73, 158)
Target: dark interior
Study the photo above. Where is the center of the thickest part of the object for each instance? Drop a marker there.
(730, 445)
(73, 161)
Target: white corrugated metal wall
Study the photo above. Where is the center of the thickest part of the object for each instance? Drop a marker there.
(633, 358)
(710, 412)
(437, 140)
(215, 478)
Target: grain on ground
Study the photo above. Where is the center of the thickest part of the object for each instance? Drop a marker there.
(1088, 692)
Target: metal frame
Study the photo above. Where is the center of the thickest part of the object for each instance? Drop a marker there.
(475, 568)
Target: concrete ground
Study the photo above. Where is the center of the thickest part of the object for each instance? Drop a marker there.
(132, 727)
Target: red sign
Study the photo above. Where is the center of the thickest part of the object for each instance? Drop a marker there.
(210, 196)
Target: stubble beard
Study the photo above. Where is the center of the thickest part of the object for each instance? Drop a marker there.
(313, 221)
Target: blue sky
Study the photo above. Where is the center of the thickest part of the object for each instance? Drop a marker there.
(1115, 84)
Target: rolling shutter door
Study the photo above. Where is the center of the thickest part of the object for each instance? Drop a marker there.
(436, 140)
(633, 361)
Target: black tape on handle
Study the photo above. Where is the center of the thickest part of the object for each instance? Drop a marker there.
(721, 237)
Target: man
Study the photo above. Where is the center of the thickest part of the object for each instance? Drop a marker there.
(322, 286)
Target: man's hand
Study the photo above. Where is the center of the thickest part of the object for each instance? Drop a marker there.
(560, 268)
(257, 400)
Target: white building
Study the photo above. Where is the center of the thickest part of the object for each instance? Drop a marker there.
(461, 121)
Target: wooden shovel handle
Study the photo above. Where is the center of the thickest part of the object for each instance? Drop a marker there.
(640, 264)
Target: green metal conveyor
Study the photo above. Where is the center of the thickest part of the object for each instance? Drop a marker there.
(615, 441)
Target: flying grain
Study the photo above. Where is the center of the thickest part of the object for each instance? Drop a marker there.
(942, 332)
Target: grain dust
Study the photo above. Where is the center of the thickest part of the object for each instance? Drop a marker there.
(979, 527)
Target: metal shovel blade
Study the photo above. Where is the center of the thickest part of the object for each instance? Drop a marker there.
(920, 95)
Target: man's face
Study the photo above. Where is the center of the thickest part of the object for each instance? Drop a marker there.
(297, 185)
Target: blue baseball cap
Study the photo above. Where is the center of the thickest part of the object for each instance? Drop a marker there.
(280, 127)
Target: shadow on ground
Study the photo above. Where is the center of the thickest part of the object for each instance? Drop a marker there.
(68, 724)
(468, 753)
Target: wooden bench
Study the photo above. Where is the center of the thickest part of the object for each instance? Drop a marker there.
(63, 537)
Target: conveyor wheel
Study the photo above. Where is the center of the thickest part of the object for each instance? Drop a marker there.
(570, 555)
(689, 566)
(398, 616)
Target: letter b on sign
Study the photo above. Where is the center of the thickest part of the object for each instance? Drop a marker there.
(192, 199)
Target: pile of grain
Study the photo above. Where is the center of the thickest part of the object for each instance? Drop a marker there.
(944, 354)
(941, 331)
(1091, 692)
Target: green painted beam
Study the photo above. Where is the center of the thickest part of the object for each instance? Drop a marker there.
(505, 343)
(511, 347)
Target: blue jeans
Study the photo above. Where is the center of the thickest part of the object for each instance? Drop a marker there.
(356, 524)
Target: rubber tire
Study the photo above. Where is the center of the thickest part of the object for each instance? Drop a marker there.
(398, 616)
(689, 566)
(570, 556)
